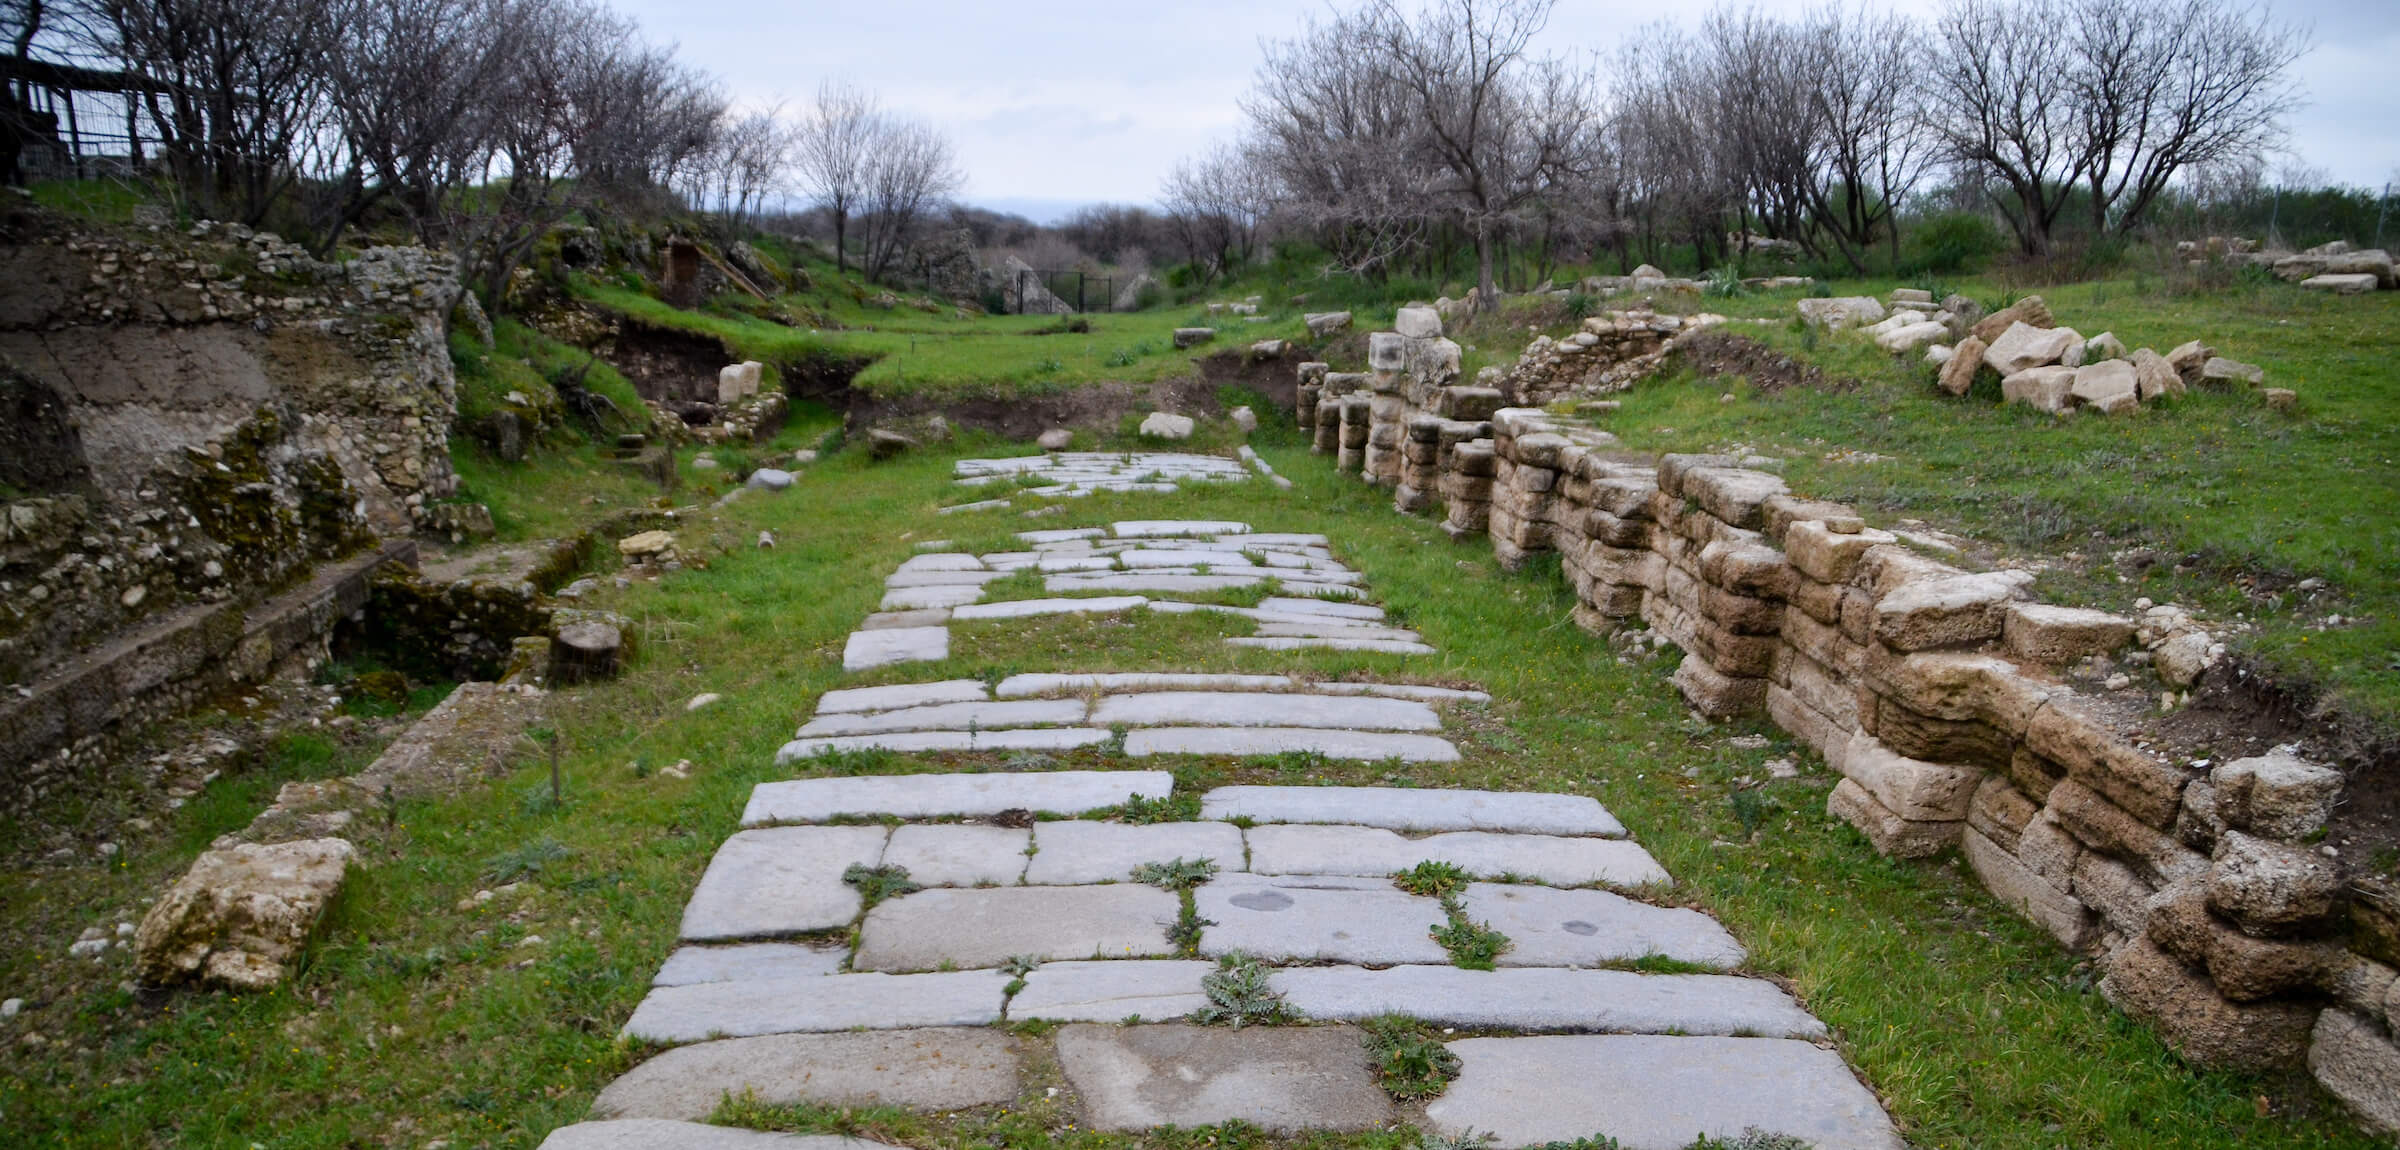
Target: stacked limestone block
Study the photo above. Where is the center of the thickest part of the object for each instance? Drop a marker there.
(1535, 454)
(1311, 388)
(1410, 367)
(1614, 351)
(1353, 423)
(1328, 411)
(1466, 487)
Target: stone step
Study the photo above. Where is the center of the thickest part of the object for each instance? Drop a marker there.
(944, 1068)
(1254, 709)
(938, 929)
(819, 1003)
(1288, 919)
(1295, 848)
(1241, 742)
(1153, 989)
(882, 648)
(1602, 1001)
(1657, 1093)
(1283, 1080)
(780, 881)
(1078, 851)
(1549, 927)
(653, 1134)
(1403, 809)
(939, 795)
(1043, 739)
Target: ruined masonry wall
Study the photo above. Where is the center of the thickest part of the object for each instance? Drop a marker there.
(1931, 690)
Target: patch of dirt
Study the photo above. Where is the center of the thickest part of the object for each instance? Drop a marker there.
(1277, 377)
(1722, 353)
(664, 365)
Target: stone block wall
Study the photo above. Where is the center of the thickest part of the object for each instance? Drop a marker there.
(1934, 692)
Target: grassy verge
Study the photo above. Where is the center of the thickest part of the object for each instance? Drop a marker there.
(419, 1017)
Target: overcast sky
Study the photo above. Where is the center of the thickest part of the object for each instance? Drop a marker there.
(1054, 105)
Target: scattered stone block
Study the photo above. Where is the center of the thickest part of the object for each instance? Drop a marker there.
(2221, 370)
(2109, 386)
(1111, 991)
(1283, 1080)
(1081, 851)
(1322, 324)
(882, 444)
(2153, 376)
(1165, 425)
(931, 1069)
(241, 914)
(2354, 284)
(940, 795)
(1657, 1092)
(2030, 311)
(1415, 810)
(822, 1004)
(1958, 372)
(2023, 346)
(1366, 921)
(780, 881)
(1055, 439)
(981, 928)
(2044, 389)
(1533, 998)
(1193, 336)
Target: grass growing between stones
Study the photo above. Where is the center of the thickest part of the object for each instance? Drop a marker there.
(1411, 1064)
(424, 1014)
(1238, 995)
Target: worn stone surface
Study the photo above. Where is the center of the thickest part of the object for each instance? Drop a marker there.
(1021, 686)
(780, 880)
(1537, 998)
(937, 795)
(950, 717)
(868, 649)
(2278, 795)
(663, 1134)
(1291, 848)
(1081, 851)
(695, 964)
(1245, 741)
(1657, 1093)
(2048, 904)
(2055, 636)
(241, 913)
(1547, 927)
(1313, 919)
(901, 695)
(816, 1004)
(1415, 810)
(1111, 991)
(1888, 832)
(976, 928)
(2155, 987)
(1023, 608)
(1281, 1079)
(932, 1069)
(958, 855)
(1913, 789)
(2357, 1062)
(1257, 709)
(2267, 886)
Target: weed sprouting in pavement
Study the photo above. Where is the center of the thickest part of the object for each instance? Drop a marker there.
(1433, 879)
(876, 884)
(1410, 1061)
(1238, 994)
(1180, 875)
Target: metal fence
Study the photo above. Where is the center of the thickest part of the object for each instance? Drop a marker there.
(1056, 291)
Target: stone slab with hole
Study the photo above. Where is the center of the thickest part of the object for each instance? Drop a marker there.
(1261, 709)
(1603, 1001)
(871, 1001)
(946, 854)
(942, 1068)
(1558, 860)
(780, 881)
(1547, 927)
(1401, 809)
(1241, 742)
(1657, 1093)
(693, 964)
(1289, 919)
(941, 795)
(660, 1134)
(1153, 989)
(941, 929)
(1281, 1079)
(1079, 851)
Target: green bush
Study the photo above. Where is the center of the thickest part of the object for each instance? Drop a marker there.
(1951, 243)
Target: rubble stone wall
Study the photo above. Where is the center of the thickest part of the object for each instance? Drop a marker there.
(1934, 692)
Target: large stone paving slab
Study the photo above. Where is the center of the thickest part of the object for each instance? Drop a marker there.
(823, 1003)
(935, 1069)
(1027, 739)
(959, 855)
(971, 928)
(1370, 746)
(1022, 686)
(938, 795)
(1602, 1001)
(1167, 528)
(950, 717)
(1257, 709)
(1281, 1079)
(902, 695)
(868, 649)
(1023, 608)
(1548, 927)
(1082, 851)
(1301, 848)
(1154, 990)
(780, 881)
(658, 1134)
(1318, 920)
(1415, 810)
(692, 964)
(1657, 1093)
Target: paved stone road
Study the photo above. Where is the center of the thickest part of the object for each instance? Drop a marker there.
(1033, 898)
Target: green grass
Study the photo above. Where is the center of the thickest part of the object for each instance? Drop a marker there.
(414, 1020)
(2234, 503)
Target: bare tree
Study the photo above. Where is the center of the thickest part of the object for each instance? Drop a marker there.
(1213, 206)
(835, 149)
(1871, 146)
(1501, 125)
(909, 174)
